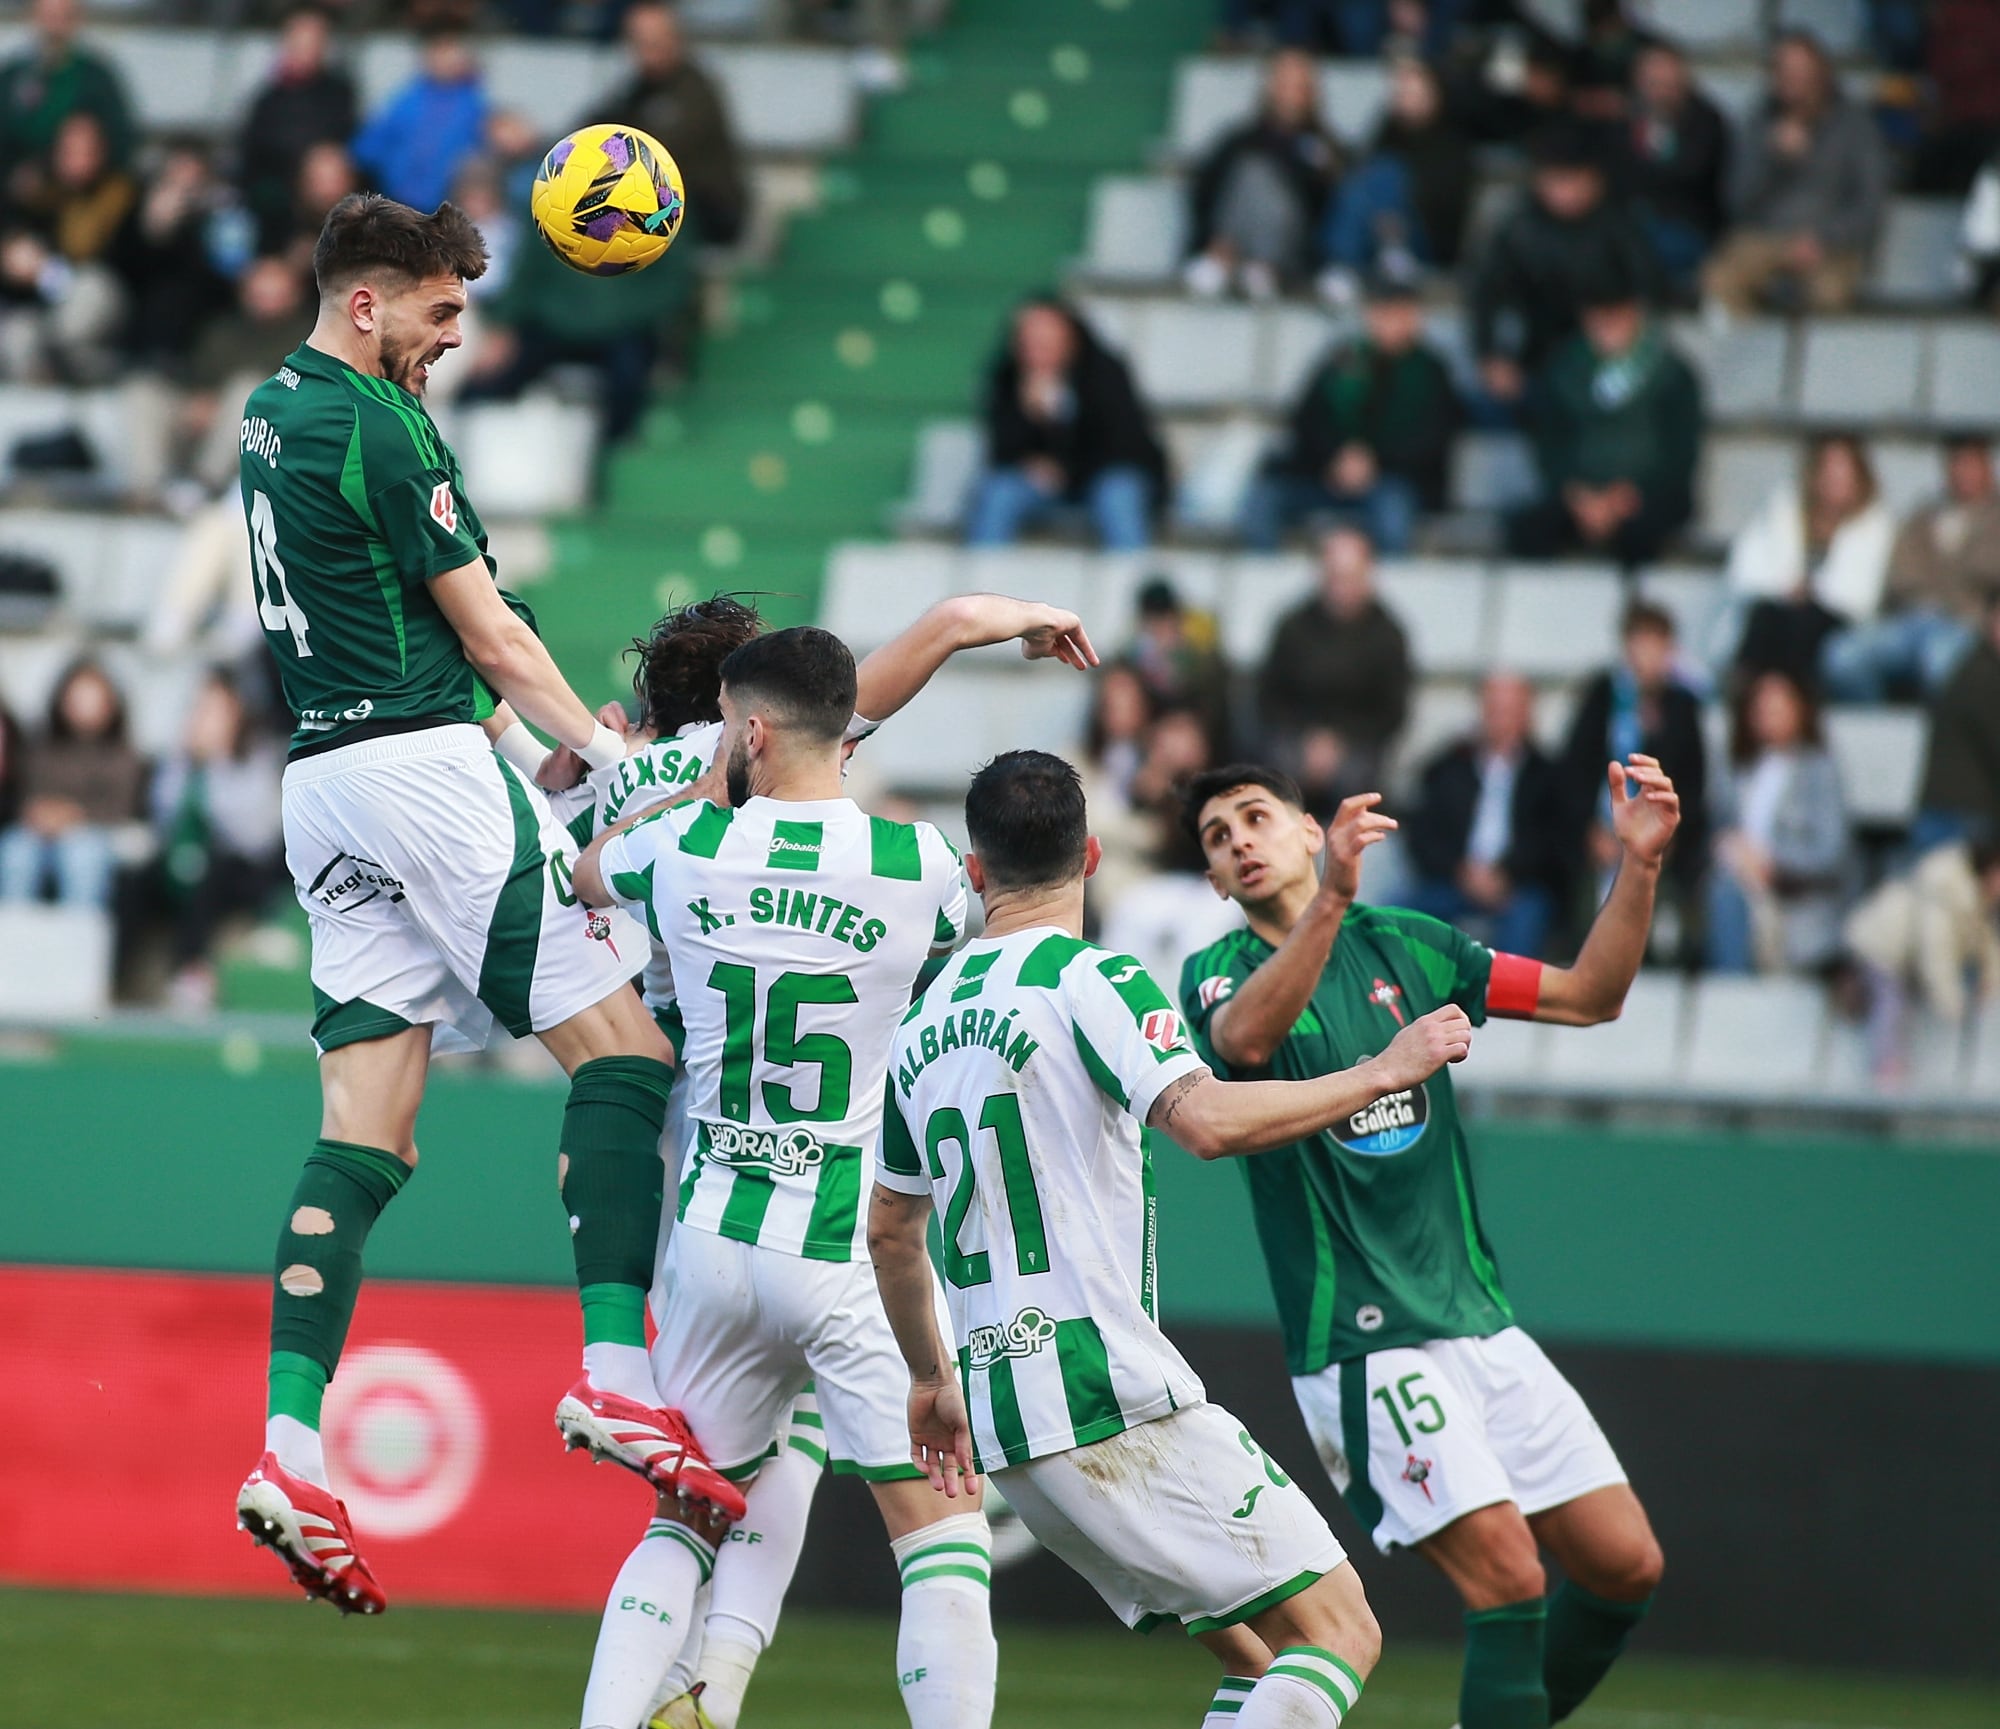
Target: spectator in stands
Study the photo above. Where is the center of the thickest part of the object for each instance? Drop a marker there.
(1678, 144)
(1175, 655)
(1568, 233)
(1979, 238)
(1808, 190)
(1960, 799)
(1933, 930)
(215, 810)
(1116, 741)
(162, 256)
(1603, 66)
(327, 173)
(1616, 421)
(1488, 844)
(1811, 562)
(1371, 433)
(1945, 562)
(1065, 427)
(1259, 193)
(1641, 704)
(1334, 690)
(1962, 60)
(1782, 851)
(307, 100)
(620, 330)
(414, 145)
(45, 84)
(61, 304)
(80, 778)
(1404, 205)
(10, 769)
(671, 97)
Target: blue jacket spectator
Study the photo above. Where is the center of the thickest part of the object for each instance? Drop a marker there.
(414, 147)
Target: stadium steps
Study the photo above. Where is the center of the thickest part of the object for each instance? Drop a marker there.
(968, 189)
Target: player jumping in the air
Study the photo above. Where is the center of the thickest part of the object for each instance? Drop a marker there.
(431, 871)
(1443, 1423)
(673, 757)
(1015, 1104)
(796, 925)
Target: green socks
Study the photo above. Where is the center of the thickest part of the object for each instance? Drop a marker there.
(1585, 1634)
(1502, 1687)
(340, 1194)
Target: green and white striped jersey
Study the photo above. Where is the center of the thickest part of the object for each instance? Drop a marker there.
(797, 931)
(1018, 1087)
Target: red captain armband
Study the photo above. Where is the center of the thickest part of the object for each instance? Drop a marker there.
(1514, 987)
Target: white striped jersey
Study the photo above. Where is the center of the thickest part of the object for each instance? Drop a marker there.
(651, 775)
(797, 932)
(1017, 1090)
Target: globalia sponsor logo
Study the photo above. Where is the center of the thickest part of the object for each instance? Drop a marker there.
(1392, 1124)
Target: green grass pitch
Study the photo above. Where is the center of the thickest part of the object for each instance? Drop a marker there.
(82, 1661)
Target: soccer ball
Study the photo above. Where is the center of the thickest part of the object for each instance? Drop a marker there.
(608, 199)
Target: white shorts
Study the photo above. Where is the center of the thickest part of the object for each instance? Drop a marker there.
(1184, 1518)
(437, 886)
(743, 1330)
(1421, 1435)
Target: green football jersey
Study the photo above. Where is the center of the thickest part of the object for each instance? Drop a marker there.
(1370, 1230)
(355, 502)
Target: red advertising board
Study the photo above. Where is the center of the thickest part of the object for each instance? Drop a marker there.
(132, 1403)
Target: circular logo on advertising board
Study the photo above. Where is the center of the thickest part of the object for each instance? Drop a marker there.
(404, 1437)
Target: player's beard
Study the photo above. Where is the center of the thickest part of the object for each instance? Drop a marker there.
(736, 772)
(406, 367)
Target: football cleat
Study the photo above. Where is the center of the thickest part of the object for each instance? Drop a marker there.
(310, 1532)
(684, 1712)
(656, 1443)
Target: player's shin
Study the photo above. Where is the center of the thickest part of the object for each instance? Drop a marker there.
(611, 1184)
(341, 1191)
(1304, 1688)
(1585, 1634)
(646, 1619)
(1502, 1687)
(946, 1656)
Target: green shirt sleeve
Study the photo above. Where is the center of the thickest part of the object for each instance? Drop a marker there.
(412, 492)
(1208, 980)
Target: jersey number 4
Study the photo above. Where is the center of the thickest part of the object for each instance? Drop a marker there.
(275, 606)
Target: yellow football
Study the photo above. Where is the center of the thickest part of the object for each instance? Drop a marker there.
(608, 199)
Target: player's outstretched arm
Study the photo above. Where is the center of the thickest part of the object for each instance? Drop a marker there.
(1216, 1119)
(940, 1431)
(1645, 811)
(511, 658)
(890, 677)
(1249, 1027)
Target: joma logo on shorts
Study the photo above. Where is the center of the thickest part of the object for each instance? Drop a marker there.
(1023, 1336)
(781, 1152)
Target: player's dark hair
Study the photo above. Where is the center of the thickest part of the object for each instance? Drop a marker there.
(1232, 777)
(369, 235)
(802, 677)
(679, 675)
(1025, 817)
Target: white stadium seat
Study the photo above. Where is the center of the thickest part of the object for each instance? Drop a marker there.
(1642, 1050)
(1210, 96)
(1352, 95)
(1138, 228)
(873, 589)
(1842, 25)
(1755, 1035)
(1444, 607)
(1706, 27)
(1982, 1075)
(1857, 370)
(1293, 341)
(1695, 599)
(530, 457)
(970, 713)
(1918, 257)
(1744, 369)
(1965, 373)
(1907, 471)
(58, 962)
(1440, 713)
(1058, 575)
(1556, 622)
(1505, 1052)
(947, 461)
(1492, 471)
(1740, 473)
(1260, 592)
(1189, 355)
(1881, 756)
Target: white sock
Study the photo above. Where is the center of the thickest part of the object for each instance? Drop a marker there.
(646, 1619)
(298, 1449)
(622, 1369)
(1304, 1688)
(726, 1668)
(686, 1665)
(946, 1656)
(1227, 1705)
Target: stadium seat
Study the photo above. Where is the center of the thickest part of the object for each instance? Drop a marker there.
(1352, 95)
(528, 458)
(1695, 599)
(1881, 756)
(1755, 1035)
(1965, 373)
(1739, 474)
(969, 713)
(1292, 341)
(1937, 1061)
(1982, 1073)
(1907, 471)
(1556, 622)
(872, 588)
(1918, 258)
(1744, 369)
(1706, 27)
(1508, 1054)
(1859, 370)
(1259, 592)
(157, 693)
(1187, 355)
(175, 76)
(1735, 89)
(788, 101)
(1138, 228)
(58, 962)
(1443, 606)
(552, 84)
(1059, 575)
(1492, 471)
(1441, 712)
(948, 456)
(1210, 96)
(1113, 581)
(1842, 25)
(1641, 1050)
(1214, 462)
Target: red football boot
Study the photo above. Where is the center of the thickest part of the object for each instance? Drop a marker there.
(656, 1443)
(311, 1533)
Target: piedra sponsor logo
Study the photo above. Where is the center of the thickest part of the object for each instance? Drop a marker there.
(1023, 1336)
(780, 1152)
(1392, 1124)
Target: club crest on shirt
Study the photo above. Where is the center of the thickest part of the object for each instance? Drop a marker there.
(1417, 1473)
(1385, 995)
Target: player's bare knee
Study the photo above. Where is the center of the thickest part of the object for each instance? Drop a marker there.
(1505, 1567)
(1333, 1614)
(1630, 1574)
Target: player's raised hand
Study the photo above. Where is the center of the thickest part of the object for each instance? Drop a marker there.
(1055, 633)
(1645, 809)
(563, 768)
(1356, 827)
(941, 1436)
(1425, 1046)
